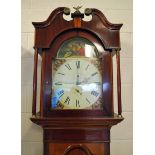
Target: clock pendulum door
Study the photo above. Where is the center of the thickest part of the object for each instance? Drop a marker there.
(76, 100)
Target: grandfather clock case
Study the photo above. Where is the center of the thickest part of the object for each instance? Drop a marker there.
(76, 109)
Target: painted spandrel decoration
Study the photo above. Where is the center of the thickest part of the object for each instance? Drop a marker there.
(77, 47)
(77, 76)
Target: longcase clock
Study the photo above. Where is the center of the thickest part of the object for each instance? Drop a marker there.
(76, 97)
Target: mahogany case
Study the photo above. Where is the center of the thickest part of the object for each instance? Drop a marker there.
(76, 131)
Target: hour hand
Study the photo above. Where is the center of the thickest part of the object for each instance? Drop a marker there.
(78, 91)
(77, 79)
(77, 75)
(85, 81)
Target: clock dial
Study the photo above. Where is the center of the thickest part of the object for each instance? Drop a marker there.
(77, 84)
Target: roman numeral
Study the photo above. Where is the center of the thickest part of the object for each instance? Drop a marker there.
(67, 100)
(60, 93)
(78, 64)
(61, 106)
(58, 83)
(68, 67)
(77, 103)
(94, 93)
(87, 100)
(61, 73)
(94, 74)
(87, 67)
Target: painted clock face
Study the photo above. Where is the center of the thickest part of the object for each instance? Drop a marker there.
(77, 80)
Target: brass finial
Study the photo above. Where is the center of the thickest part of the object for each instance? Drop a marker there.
(66, 11)
(88, 11)
(77, 13)
(77, 8)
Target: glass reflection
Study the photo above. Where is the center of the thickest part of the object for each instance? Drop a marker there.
(105, 86)
(89, 87)
(89, 50)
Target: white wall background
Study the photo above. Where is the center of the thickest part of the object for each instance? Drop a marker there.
(116, 11)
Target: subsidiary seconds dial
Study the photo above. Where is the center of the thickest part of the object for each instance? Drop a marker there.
(77, 84)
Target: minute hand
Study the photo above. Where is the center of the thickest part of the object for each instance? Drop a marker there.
(60, 83)
(87, 79)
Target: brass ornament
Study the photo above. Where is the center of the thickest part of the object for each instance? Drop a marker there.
(88, 11)
(77, 8)
(67, 11)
